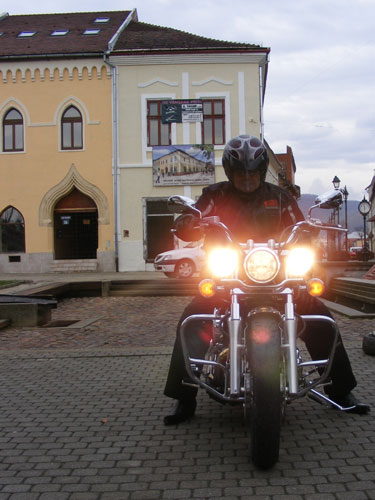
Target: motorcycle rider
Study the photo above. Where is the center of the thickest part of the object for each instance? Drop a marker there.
(250, 206)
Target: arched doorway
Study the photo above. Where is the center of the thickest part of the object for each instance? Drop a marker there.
(75, 227)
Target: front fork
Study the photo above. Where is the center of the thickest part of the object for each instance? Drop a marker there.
(234, 324)
(290, 336)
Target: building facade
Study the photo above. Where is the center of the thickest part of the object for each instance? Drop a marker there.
(89, 152)
(156, 66)
(56, 190)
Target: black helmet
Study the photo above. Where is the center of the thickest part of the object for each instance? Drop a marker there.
(245, 153)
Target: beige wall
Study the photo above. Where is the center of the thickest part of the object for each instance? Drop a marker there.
(237, 83)
(41, 92)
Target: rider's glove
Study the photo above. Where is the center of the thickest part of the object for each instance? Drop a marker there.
(187, 228)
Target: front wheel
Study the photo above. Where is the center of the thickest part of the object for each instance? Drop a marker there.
(263, 389)
(184, 269)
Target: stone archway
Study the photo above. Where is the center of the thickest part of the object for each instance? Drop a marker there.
(73, 179)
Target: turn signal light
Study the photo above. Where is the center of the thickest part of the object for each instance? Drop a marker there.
(315, 287)
(207, 288)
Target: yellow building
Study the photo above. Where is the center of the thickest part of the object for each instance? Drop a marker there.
(56, 189)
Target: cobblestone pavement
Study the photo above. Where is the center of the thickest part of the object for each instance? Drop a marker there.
(81, 418)
(116, 322)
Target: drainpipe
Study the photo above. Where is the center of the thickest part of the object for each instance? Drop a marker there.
(262, 90)
(115, 167)
(261, 103)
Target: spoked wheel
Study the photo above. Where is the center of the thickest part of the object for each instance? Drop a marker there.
(264, 389)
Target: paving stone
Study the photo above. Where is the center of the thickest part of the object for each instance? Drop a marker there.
(82, 419)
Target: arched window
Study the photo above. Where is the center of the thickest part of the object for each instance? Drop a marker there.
(13, 131)
(71, 129)
(12, 231)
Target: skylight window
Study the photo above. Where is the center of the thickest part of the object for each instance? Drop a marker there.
(26, 34)
(91, 32)
(101, 20)
(59, 32)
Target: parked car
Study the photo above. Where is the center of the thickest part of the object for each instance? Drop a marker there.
(354, 251)
(181, 262)
(360, 253)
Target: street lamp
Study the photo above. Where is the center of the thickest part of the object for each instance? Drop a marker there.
(336, 182)
(364, 209)
(345, 194)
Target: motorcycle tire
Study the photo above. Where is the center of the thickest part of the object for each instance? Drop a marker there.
(263, 392)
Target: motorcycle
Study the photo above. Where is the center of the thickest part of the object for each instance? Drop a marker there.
(253, 358)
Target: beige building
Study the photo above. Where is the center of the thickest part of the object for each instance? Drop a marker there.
(56, 190)
(155, 64)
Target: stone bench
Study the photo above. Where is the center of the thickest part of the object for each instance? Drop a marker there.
(357, 292)
(26, 311)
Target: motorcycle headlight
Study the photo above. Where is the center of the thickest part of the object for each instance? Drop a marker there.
(223, 262)
(299, 262)
(262, 265)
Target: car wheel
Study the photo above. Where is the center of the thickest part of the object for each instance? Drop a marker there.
(184, 269)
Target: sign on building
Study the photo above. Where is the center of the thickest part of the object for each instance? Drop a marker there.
(183, 165)
(182, 111)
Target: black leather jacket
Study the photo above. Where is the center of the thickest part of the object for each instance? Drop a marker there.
(260, 215)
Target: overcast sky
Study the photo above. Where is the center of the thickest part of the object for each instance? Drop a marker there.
(320, 95)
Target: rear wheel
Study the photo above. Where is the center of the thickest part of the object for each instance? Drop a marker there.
(263, 389)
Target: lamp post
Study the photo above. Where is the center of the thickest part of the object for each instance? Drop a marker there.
(336, 184)
(364, 209)
(345, 193)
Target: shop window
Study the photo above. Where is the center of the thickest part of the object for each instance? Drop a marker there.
(12, 231)
(213, 126)
(13, 131)
(158, 133)
(71, 129)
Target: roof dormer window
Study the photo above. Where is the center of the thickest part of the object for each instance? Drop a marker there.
(26, 34)
(91, 32)
(102, 20)
(59, 32)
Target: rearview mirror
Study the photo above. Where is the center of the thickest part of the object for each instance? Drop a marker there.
(330, 199)
(182, 205)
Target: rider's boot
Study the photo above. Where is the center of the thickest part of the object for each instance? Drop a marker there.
(185, 410)
(350, 404)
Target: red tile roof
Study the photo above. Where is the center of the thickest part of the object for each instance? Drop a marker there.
(73, 43)
(136, 36)
(148, 37)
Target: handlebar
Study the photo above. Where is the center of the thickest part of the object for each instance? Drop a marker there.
(206, 222)
(181, 204)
